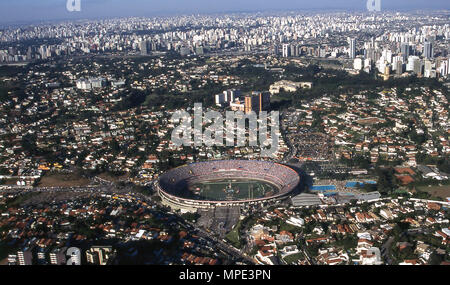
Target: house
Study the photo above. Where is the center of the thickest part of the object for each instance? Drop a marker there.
(371, 256)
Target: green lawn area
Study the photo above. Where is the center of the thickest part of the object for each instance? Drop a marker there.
(233, 236)
(290, 228)
(293, 258)
(436, 191)
(240, 189)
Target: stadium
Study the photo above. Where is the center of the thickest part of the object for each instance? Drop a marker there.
(211, 184)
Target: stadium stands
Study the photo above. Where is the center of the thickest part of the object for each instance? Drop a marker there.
(172, 184)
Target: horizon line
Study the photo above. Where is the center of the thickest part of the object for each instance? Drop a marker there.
(178, 14)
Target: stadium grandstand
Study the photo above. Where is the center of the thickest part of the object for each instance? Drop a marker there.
(206, 185)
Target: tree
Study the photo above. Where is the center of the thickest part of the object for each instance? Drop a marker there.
(444, 164)
(400, 228)
(348, 242)
(435, 259)
(29, 143)
(115, 147)
(386, 181)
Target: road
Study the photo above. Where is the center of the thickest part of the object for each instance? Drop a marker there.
(292, 149)
(234, 252)
(309, 259)
(385, 250)
(222, 245)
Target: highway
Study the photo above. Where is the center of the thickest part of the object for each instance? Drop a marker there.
(222, 245)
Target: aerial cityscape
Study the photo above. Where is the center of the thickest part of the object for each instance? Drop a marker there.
(250, 136)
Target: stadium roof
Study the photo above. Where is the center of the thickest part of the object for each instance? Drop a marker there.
(343, 198)
(305, 199)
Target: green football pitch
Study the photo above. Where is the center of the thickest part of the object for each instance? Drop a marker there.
(232, 190)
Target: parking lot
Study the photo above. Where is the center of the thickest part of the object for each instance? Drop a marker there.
(219, 220)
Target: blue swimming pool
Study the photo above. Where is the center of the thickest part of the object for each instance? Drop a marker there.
(323, 188)
(353, 184)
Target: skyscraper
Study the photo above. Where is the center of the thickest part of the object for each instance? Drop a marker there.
(414, 65)
(397, 65)
(275, 50)
(429, 72)
(227, 96)
(428, 50)
(286, 50)
(404, 49)
(352, 51)
(143, 47)
(29, 53)
(257, 102)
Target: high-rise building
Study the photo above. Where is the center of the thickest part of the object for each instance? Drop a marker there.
(414, 65)
(294, 50)
(143, 47)
(231, 94)
(275, 50)
(358, 64)
(43, 52)
(29, 53)
(369, 54)
(387, 54)
(443, 68)
(219, 99)
(154, 46)
(429, 72)
(257, 102)
(184, 50)
(387, 72)
(286, 50)
(322, 52)
(381, 65)
(405, 50)
(428, 50)
(352, 50)
(448, 67)
(399, 67)
(227, 96)
(199, 50)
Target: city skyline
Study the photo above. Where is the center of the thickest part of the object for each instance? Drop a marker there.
(184, 133)
(53, 10)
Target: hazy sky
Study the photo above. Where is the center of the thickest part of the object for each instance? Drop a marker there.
(35, 10)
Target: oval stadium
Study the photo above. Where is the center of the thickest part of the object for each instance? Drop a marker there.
(210, 184)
